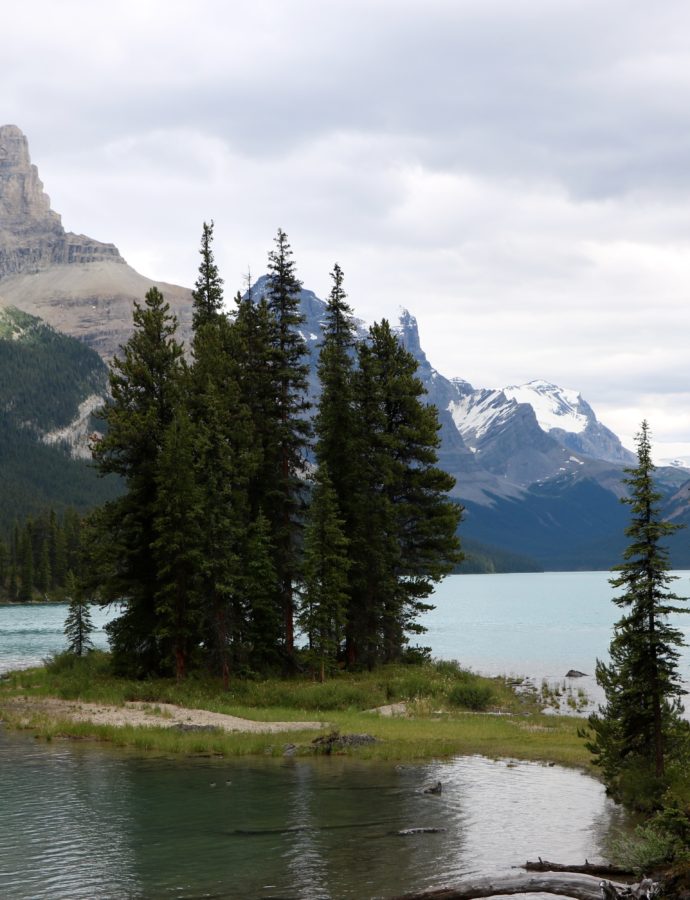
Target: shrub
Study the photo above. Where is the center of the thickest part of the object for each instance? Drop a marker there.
(648, 848)
(471, 696)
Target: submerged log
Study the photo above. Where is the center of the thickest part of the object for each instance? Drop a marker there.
(602, 869)
(564, 884)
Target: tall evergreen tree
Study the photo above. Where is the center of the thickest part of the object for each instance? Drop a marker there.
(324, 602)
(334, 421)
(208, 289)
(226, 461)
(177, 546)
(145, 390)
(4, 563)
(637, 727)
(404, 534)
(78, 624)
(287, 456)
(260, 587)
(26, 564)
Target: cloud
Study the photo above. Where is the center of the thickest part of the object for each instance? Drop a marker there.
(515, 174)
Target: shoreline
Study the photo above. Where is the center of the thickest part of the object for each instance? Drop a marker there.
(140, 714)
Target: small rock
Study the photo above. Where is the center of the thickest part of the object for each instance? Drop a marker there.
(184, 726)
(434, 789)
(575, 673)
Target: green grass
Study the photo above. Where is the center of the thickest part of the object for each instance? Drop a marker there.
(440, 722)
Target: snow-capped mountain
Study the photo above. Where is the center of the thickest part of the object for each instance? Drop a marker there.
(559, 413)
(565, 415)
(538, 474)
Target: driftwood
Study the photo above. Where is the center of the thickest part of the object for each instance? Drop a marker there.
(565, 884)
(601, 869)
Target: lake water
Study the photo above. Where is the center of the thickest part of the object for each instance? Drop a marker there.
(80, 821)
(85, 822)
(539, 625)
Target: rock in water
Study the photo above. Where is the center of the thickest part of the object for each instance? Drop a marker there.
(78, 285)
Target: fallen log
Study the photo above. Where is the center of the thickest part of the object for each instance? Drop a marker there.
(602, 869)
(564, 884)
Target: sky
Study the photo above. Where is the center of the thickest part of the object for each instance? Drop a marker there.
(516, 174)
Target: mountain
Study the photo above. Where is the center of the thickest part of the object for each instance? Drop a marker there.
(80, 286)
(540, 477)
(49, 386)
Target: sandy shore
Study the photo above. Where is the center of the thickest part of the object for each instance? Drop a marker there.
(161, 715)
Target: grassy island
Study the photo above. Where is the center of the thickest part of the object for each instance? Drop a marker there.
(412, 711)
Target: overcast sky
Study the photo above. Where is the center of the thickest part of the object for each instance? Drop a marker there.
(517, 174)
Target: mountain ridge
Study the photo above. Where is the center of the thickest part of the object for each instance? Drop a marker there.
(80, 286)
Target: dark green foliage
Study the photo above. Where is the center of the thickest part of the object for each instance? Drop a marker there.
(285, 454)
(44, 376)
(208, 289)
(225, 460)
(639, 728)
(486, 558)
(177, 546)
(212, 539)
(78, 624)
(25, 565)
(326, 563)
(145, 384)
(404, 537)
(335, 417)
(473, 696)
(259, 586)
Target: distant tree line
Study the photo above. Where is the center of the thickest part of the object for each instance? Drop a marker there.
(255, 534)
(36, 560)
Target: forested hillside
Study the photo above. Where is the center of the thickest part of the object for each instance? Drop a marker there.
(44, 379)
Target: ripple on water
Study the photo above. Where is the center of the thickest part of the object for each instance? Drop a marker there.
(80, 822)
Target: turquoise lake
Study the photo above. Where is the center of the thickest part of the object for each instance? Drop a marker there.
(86, 821)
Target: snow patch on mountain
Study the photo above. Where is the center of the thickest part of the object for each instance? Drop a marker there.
(678, 462)
(554, 407)
(480, 412)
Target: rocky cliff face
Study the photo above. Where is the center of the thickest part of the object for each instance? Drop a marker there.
(80, 286)
(31, 234)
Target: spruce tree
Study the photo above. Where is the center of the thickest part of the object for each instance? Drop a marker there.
(145, 384)
(259, 584)
(283, 498)
(225, 458)
(177, 546)
(226, 462)
(78, 624)
(326, 563)
(335, 418)
(404, 534)
(638, 727)
(208, 288)
(26, 564)
(4, 564)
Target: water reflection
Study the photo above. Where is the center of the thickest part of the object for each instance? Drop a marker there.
(89, 822)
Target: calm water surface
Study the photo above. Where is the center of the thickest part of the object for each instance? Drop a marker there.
(539, 625)
(83, 822)
(29, 633)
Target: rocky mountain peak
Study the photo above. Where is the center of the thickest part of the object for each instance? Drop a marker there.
(23, 203)
(78, 285)
(31, 234)
(408, 333)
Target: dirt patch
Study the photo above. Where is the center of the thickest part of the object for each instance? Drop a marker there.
(161, 715)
